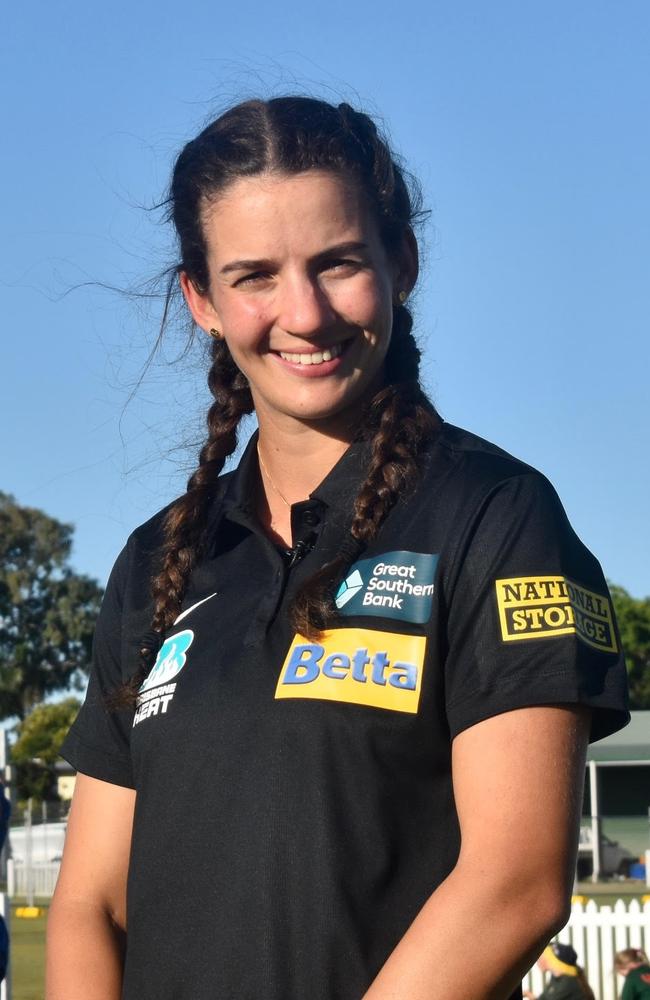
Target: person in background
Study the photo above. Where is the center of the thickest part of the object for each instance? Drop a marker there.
(567, 980)
(633, 964)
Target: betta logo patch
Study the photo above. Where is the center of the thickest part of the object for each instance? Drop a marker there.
(360, 666)
(535, 607)
(391, 585)
(157, 692)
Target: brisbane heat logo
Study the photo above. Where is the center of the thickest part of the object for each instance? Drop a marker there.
(533, 607)
(158, 688)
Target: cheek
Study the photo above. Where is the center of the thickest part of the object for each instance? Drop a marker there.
(368, 304)
(245, 321)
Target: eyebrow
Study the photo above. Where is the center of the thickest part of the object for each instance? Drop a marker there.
(266, 264)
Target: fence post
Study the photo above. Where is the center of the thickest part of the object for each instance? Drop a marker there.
(5, 986)
(595, 820)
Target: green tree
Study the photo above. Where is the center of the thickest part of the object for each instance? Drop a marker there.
(633, 616)
(37, 747)
(47, 611)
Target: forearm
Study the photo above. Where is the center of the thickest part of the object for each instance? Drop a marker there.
(85, 951)
(477, 934)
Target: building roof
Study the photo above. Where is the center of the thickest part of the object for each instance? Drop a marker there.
(628, 745)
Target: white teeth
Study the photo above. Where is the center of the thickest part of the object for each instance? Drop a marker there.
(313, 359)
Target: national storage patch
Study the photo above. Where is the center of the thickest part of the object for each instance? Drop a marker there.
(361, 666)
(532, 607)
(391, 585)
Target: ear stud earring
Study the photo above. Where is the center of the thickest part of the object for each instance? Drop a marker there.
(214, 333)
(402, 297)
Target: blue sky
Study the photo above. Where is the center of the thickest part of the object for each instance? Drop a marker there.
(528, 127)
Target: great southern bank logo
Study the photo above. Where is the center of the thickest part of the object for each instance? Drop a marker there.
(361, 666)
(157, 690)
(350, 586)
(391, 585)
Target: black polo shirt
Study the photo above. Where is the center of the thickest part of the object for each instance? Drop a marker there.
(295, 806)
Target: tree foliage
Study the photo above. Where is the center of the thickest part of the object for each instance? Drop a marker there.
(42, 732)
(37, 747)
(47, 611)
(633, 616)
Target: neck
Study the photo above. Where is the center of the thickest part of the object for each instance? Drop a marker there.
(296, 460)
(292, 464)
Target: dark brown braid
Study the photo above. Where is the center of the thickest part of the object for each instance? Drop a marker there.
(400, 422)
(185, 521)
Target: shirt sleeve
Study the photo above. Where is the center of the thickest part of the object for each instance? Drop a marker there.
(98, 743)
(529, 615)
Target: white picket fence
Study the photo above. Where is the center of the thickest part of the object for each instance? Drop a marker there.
(37, 879)
(597, 933)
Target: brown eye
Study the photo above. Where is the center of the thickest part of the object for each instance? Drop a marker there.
(342, 264)
(251, 279)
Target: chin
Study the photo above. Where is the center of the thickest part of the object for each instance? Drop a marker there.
(330, 410)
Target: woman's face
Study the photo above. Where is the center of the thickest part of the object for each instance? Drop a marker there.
(302, 290)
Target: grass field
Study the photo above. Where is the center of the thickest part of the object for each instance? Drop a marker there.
(27, 957)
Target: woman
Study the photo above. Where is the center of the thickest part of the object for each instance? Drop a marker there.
(567, 980)
(633, 965)
(334, 687)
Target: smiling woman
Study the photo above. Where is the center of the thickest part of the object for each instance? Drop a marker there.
(341, 696)
(302, 290)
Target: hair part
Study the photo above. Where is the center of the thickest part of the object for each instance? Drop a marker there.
(287, 135)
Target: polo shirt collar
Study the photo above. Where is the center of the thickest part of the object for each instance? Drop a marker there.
(241, 485)
(340, 485)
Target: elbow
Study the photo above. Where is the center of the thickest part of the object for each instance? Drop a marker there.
(534, 899)
(553, 878)
(553, 908)
(546, 899)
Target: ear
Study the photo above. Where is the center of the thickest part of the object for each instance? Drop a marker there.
(407, 264)
(203, 312)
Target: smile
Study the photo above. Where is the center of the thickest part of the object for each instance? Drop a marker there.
(315, 358)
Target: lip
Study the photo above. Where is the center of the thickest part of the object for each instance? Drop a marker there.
(313, 371)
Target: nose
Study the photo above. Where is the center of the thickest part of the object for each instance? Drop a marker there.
(304, 308)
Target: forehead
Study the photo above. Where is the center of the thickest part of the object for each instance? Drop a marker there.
(270, 213)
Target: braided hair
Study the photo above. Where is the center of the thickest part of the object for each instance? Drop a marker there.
(290, 135)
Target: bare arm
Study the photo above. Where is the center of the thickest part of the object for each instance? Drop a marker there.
(87, 920)
(518, 781)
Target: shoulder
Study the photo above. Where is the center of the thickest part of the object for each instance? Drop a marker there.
(146, 540)
(138, 559)
(639, 980)
(475, 459)
(565, 988)
(466, 475)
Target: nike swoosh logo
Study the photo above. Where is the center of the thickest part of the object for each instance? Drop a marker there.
(188, 611)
